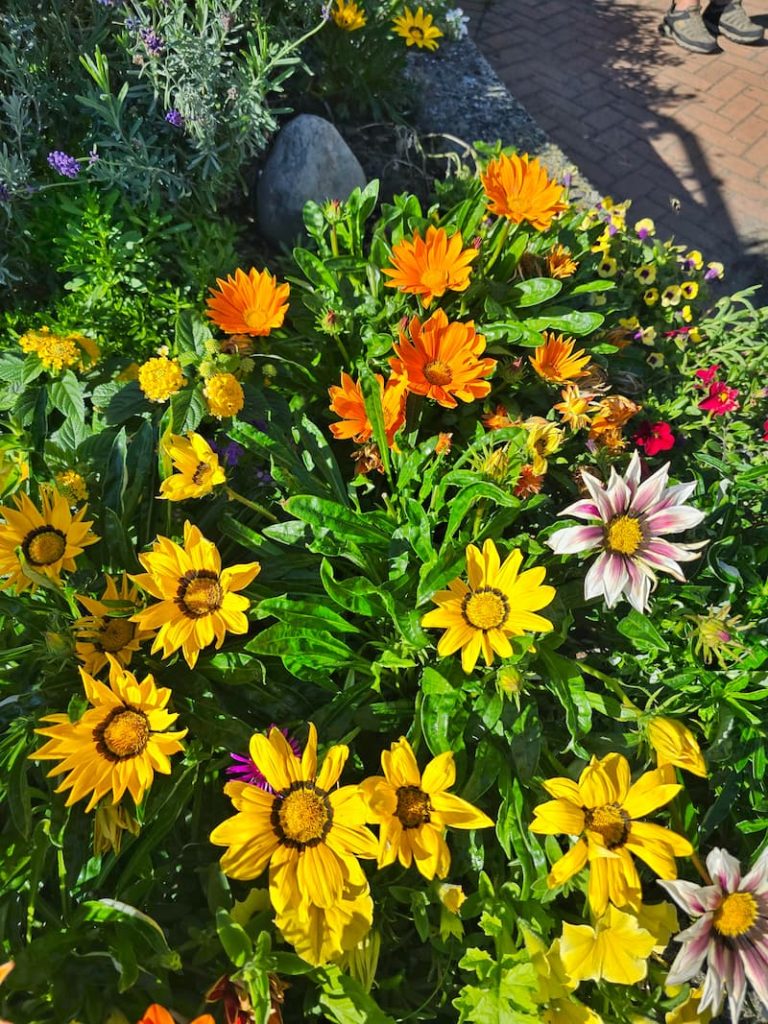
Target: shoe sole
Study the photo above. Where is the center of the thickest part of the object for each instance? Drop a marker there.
(665, 30)
(734, 38)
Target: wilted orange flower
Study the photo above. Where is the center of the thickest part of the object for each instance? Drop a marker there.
(443, 445)
(441, 360)
(556, 361)
(528, 483)
(612, 413)
(252, 303)
(574, 407)
(498, 419)
(348, 403)
(560, 263)
(518, 188)
(431, 266)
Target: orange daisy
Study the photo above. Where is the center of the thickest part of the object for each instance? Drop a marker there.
(498, 419)
(252, 303)
(347, 402)
(518, 188)
(440, 360)
(556, 361)
(560, 263)
(431, 266)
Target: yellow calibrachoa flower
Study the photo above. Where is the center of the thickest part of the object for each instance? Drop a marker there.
(554, 989)
(615, 950)
(660, 919)
(417, 29)
(197, 599)
(224, 395)
(197, 465)
(451, 896)
(347, 15)
(603, 809)
(413, 810)
(675, 744)
(499, 602)
(50, 539)
(688, 1012)
(103, 633)
(543, 439)
(118, 744)
(160, 377)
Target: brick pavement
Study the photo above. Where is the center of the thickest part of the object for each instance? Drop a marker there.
(684, 136)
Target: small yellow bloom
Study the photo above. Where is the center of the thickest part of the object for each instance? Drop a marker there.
(615, 950)
(575, 406)
(607, 267)
(451, 896)
(417, 29)
(224, 394)
(197, 468)
(675, 744)
(689, 1012)
(347, 15)
(671, 295)
(660, 919)
(651, 296)
(694, 335)
(160, 377)
(655, 360)
(687, 314)
(543, 439)
(646, 274)
(630, 323)
(695, 259)
(648, 336)
(689, 290)
(645, 227)
(715, 270)
(72, 486)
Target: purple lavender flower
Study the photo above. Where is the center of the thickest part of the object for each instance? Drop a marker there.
(63, 164)
(132, 24)
(154, 44)
(567, 179)
(5, 194)
(93, 157)
(175, 118)
(246, 770)
(264, 477)
(325, 11)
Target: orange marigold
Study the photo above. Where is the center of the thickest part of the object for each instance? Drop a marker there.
(556, 361)
(440, 360)
(252, 303)
(430, 266)
(348, 403)
(560, 263)
(518, 188)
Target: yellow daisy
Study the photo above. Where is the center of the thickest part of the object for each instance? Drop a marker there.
(197, 599)
(118, 744)
(320, 935)
(575, 407)
(543, 439)
(103, 632)
(308, 831)
(413, 810)
(417, 29)
(50, 539)
(498, 603)
(197, 465)
(347, 15)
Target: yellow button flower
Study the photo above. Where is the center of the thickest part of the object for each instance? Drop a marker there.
(224, 395)
(160, 378)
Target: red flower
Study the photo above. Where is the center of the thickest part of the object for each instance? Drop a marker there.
(721, 399)
(654, 437)
(765, 431)
(708, 376)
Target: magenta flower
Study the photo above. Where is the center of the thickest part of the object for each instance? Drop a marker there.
(720, 399)
(245, 768)
(730, 931)
(634, 519)
(708, 375)
(654, 437)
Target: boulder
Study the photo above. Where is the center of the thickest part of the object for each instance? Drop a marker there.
(309, 160)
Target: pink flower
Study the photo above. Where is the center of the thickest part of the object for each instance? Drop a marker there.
(708, 375)
(654, 437)
(721, 399)
(730, 931)
(765, 431)
(245, 768)
(634, 518)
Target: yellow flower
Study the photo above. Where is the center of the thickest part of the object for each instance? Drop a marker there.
(694, 334)
(252, 303)
(323, 934)
(560, 263)
(671, 295)
(347, 15)
(518, 188)
(651, 296)
(687, 314)
(646, 274)
(59, 351)
(655, 360)
(688, 1012)
(615, 950)
(554, 986)
(607, 267)
(498, 603)
(660, 919)
(103, 632)
(431, 266)
(556, 361)
(451, 896)
(72, 486)
(543, 439)
(413, 810)
(575, 407)
(118, 744)
(675, 744)
(109, 823)
(417, 29)
(714, 270)
(197, 599)
(160, 377)
(689, 290)
(197, 465)
(648, 335)
(645, 227)
(695, 258)
(224, 394)
(630, 323)
(603, 809)
(50, 539)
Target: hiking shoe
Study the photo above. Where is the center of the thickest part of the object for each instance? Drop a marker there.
(731, 21)
(688, 30)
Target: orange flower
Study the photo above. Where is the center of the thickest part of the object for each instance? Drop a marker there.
(252, 303)
(431, 266)
(444, 442)
(574, 407)
(556, 361)
(498, 419)
(440, 360)
(518, 188)
(156, 1014)
(560, 263)
(348, 403)
(528, 483)
(612, 414)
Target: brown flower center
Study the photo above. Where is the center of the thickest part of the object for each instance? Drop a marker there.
(736, 914)
(611, 822)
(413, 806)
(200, 593)
(485, 608)
(115, 634)
(301, 815)
(438, 372)
(44, 546)
(123, 734)
(624, 535)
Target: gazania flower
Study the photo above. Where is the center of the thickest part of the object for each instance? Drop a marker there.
(413, 810)
(110, 821)
(716, 635)
(197, 599)
(157, 1014)
(347, 15)
(50, 539)
(104, 633)
(603, 809)
(611, 415)
(518, 188)
(118, 744)
(528, 483)
(634, 519)
(498, 419)
(675, 744)
(654, 437)
(197, 468)
(441, 360)
(543, 439)
(71, 485)
(245, 769)
(556, 361)
(615, 950)
(575, 406)
(720, 400)
(431, 266)
(499, 602)
(730, 931)
(417, 29)
(323, 934)
(252, 303)
(560, 263)
(347, 402)
(238, 1008)
(224, 395)
(160, 378)
(308, 832)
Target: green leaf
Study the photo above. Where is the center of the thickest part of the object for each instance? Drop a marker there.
(461, 504)
(345, 523)
(315, 270)
(115, 476)
(442, 715)
(577, 323)
(535, 290)
(307, 614)
(310, 646)
(187, 410)
(316, 446)
(372, 397)
(67, 396)
(641, 631)
(234, 938)
(128, 402)
(345, 1002)
(564, 679)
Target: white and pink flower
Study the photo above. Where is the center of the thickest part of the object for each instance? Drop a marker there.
(634, 519)
(730, 931)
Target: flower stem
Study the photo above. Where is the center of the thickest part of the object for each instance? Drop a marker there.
(503, 234)
(234, 496)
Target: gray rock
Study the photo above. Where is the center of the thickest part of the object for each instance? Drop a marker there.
(309, 160)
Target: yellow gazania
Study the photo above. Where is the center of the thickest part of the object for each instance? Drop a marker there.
(575, 407)
(430, 266)
(320, 935)
(556, 361)
(110, 821)
(308, 832)
(197, 599)
(413, 810)
(603, 809)
(347, 15)
(498, 603)
(252, 303)
(560, 262)
(104, 633)
(675, 744)
(50, 539)
(224, 395)
(197, 465)
(118, 744)
(518, 188)
(554, 988)
(160, 378)
(615, 950)
(543, 439)
(417, 29)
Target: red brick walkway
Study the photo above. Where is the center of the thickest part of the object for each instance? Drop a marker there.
(684, 136)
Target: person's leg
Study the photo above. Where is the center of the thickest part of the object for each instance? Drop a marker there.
(684, 23)
(728, 18)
